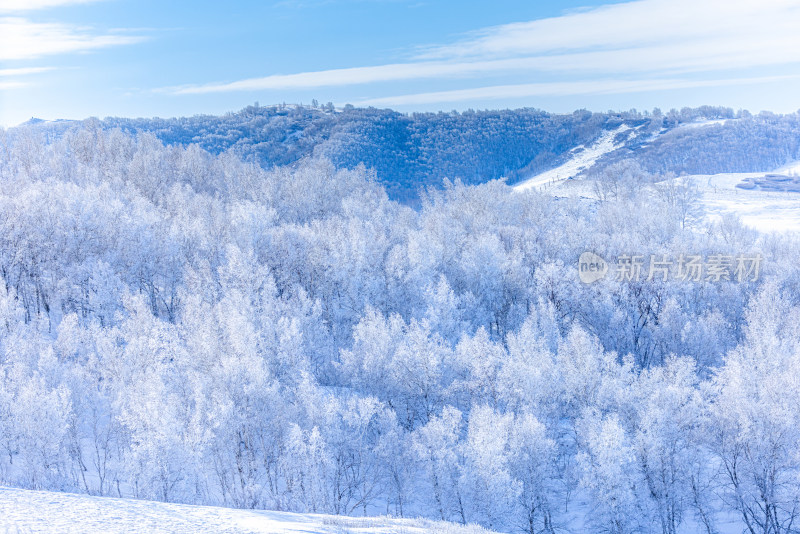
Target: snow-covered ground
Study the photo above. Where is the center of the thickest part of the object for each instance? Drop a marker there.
(582, 158)
(765, 211)
(27, 512)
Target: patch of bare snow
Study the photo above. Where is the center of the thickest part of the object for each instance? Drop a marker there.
(702, 123)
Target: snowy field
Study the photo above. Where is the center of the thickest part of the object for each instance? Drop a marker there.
(25, 511)
(766, 211)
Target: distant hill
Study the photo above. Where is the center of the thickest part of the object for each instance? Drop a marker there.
(410, 152)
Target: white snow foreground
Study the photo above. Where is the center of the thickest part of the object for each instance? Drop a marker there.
(27, 511)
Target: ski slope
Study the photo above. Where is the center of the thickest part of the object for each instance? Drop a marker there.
(28, 512)
(582, 158)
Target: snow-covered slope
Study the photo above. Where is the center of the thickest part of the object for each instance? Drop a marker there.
(790, 169)
(25, 511)
(581, 159)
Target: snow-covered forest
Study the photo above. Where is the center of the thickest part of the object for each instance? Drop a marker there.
(194, 328)
(413, 151)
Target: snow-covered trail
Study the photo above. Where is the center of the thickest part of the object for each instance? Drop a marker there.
(26, 512)
(582, 159)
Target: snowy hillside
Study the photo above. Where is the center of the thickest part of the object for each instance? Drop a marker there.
(580, 159)
(29, 512)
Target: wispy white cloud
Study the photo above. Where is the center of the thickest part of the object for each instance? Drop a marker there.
(639, 38)
(24, 39)
(629, 25)
(24, 71)
(32, 5)
(598, 87)
(12, 84)
(305, 4)
(8, 84)
(349, 76)
(718, 54)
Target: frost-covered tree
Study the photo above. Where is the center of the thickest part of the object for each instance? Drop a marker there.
(754, 425)
(184, 325)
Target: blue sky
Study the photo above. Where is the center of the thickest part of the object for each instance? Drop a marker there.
(80, 58)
